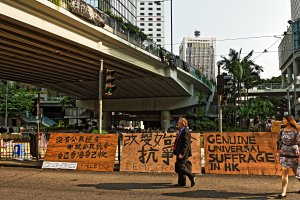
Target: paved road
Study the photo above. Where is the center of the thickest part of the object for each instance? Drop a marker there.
(32, 184)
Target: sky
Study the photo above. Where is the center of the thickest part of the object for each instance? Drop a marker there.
(232, 19)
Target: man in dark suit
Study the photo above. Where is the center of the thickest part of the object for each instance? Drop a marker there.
(182, 150)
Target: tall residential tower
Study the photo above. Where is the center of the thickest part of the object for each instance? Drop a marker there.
(200, 53)
(150, 19)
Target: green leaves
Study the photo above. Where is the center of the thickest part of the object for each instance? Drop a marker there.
(257, 107)
(19, 100)
(67, 101)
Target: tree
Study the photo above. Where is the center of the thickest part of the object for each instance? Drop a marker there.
(251, 76)
(199, 122)
(19, 100)
(261, 107)
(244, 70)
(67, 101)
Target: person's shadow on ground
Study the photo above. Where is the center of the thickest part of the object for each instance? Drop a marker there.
(221, 194)
(128, 186)
(213, 194)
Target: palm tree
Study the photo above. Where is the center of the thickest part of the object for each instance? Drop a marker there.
(244, 70)
(251, 76)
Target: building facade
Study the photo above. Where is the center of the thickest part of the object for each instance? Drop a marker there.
(295, 9)
(289, 56)
(150, 19)
(288, 50)
(200, 53)
(122, 8)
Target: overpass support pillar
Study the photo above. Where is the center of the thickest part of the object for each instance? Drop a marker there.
(107, 120)
(165, 117)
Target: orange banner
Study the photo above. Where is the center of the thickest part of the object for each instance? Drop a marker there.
(153, 152)
(241, 153)
(92, 152)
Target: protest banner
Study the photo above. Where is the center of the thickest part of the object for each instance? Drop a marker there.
(91, 152)
(153, 152)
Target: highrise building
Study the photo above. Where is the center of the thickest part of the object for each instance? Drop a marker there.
(150, 19)
(123, 8)
(287, 50)
(200, 53)
(295, 9)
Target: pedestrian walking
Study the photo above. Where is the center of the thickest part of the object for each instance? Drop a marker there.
(269, 125)
(256, 125)
(288, 144)
(182, 149)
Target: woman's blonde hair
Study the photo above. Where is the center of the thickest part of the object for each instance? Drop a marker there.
(184, 121)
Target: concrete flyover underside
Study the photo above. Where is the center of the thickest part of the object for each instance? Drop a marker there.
(48, 46)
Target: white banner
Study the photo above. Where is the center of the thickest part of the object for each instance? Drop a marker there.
(59, 165)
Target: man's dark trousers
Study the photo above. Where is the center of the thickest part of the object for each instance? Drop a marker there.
(183, 168)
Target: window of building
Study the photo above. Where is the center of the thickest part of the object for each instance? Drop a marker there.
(158, 24)
(150, 3)
(142, 13)
(158, 14)
(158, 29)
(142, 29)
(150, 8)
(142, 3)
(150, 35)
(142, 19)
(150, 19)
(158, 35)
(150, 24)
(158, 19)
(150, 14)
(158, 40)
(158, 8)
(142, 8)
(142, 24)
(150, 29)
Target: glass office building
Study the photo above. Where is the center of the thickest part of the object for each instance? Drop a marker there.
(123, 8)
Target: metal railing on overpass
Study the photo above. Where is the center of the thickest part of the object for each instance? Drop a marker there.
(269, 86)
(101, 19)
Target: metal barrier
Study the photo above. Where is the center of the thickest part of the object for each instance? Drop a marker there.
(22, 146)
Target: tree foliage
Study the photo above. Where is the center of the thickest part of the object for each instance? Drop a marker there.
(19, 100)
(67, 101)
(199, 122)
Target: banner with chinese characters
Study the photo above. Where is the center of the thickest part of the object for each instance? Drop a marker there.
(153, 152)
(91, 152)
(241, 153)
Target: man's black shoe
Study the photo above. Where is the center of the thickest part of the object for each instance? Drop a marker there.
(193, 182)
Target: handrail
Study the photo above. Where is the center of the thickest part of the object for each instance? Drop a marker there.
(269, 86)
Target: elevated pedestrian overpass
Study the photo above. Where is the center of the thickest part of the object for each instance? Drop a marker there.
(62, 47)
(273, 89)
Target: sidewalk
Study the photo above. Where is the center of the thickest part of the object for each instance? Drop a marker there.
(21, 163)
(47, 184)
